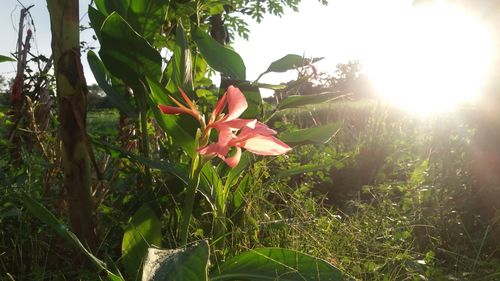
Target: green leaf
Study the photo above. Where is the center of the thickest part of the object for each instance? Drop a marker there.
(143, 231)
(298, 101)
(181, 73)
(276, 264)
(96, 20)
(147, 16)
(5, 58)
(289, 62)
(270, 86)
(126, 54)
(39, 211)
(217, 56)
(109, 84)
(239, 192)
(316, 135)
(237, 171)
(189, 263)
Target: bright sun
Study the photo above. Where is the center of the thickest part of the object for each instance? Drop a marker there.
(435, 58)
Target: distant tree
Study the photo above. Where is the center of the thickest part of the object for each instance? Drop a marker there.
(97, 99)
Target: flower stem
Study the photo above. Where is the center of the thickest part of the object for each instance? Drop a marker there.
(194, 182)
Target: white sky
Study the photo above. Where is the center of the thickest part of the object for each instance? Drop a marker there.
(316, 31)
(393, 41)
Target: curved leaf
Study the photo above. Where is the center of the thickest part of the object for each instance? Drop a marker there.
(5, 58)
(297, 101)
(144, 230)
(125, 53)
(177, 264)
(290, 61)
(276, 264)
(217, 56)
(39, 211)
(110, 86)
(316, 135)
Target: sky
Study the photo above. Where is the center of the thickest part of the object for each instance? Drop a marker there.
(415, 55)
(316, 31)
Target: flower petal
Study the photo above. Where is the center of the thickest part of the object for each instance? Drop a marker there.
(219, 107)
(172, 109)
(236, 102)
(233, 160)
(264, 145)
(236, 124)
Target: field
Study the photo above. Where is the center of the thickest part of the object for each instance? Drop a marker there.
(389, 197)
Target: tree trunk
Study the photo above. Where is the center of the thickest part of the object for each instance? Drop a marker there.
(72, 102)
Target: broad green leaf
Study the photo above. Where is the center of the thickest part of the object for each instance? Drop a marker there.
(316, 135)
(178, 127)
(184, 264)
(276, 264)
(39, 211)
(145, 16)
(217, 56)
(298, 101)
(5, 58)
(143, 231)
(96, 20)
(289, 62)
(126, 54)
(113, 89)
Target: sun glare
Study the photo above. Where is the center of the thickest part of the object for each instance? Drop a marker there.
(431, 60)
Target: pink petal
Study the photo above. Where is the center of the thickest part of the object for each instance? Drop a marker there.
(263, 129)
(237, 103)
(236, 124)
(219, 107)
(213, 149)
(233, 160)
(172, 109)
(264, 145)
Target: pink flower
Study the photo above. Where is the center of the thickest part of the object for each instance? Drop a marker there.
(232, 131)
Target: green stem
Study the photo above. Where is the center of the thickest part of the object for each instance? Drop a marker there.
(194, 182)
(145, 148)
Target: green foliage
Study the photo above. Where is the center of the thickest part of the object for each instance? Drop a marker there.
(290, 62)
(125, 53)
(44, 215)
(274, 264)
(5, 58)
(316, 135)
(218, 57)
(143, 231)
(113, 88)
(299, 101)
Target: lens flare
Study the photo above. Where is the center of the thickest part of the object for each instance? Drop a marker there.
(435, 59)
